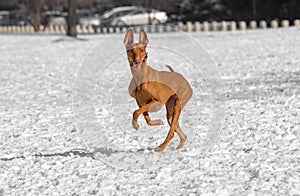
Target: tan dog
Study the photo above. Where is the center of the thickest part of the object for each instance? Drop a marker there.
(152, 89)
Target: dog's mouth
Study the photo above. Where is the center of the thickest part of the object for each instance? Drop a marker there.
(137, 66)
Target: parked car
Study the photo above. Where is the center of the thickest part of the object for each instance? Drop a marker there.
(58, 19)
(133, 15)
(15, 17)
(88, 17)
(110, 15)
(4, 18)
(54, 18)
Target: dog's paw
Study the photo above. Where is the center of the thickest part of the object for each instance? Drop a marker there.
(155, 122)
(159, 149)
(180, 146)
(135, 125)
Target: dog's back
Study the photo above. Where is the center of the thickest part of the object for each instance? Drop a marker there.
(164, 82)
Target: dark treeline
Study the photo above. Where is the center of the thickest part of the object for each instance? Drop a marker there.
(192, 10)
(263, 9)
(200, 10)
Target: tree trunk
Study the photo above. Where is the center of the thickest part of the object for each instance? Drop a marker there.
(37, 21)
(72, 18)
(36, 13)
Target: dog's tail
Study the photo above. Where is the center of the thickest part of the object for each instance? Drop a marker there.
(170, 68)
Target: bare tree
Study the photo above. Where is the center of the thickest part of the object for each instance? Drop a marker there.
(72, 18)
(35, 7)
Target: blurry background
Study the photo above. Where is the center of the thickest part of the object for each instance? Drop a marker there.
(21, 12)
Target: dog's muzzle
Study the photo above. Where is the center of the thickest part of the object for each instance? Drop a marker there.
(137, 66)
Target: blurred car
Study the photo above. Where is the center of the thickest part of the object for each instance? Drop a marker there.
(88, 17)
(133, 15)
(4, 17)
(92, 20)
(15, 17)
(54, 18)
(110, 15)
(58, 19)
(20, 17)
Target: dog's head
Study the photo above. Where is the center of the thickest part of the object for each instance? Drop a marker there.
(136, 52)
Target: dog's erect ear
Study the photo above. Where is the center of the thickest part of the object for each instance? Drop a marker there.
(143, 37)
(128, 37)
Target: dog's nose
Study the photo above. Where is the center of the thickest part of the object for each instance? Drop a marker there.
(137, 60)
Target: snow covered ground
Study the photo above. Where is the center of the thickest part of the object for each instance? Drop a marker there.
(61, 97)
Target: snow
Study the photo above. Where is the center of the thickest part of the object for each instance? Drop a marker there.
(66, 116)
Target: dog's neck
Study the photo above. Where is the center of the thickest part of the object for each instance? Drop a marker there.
(141, 74)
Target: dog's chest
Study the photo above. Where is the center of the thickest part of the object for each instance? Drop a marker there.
(144, 96)
(143, 93)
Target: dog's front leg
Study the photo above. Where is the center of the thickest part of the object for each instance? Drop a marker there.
(147, 117)
(152, 122)
(144, 110)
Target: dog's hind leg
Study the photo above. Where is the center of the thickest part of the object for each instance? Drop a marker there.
(169, 108)
(182, 137)
(174, 123)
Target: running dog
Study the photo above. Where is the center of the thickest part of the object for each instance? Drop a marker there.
(153, 89)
